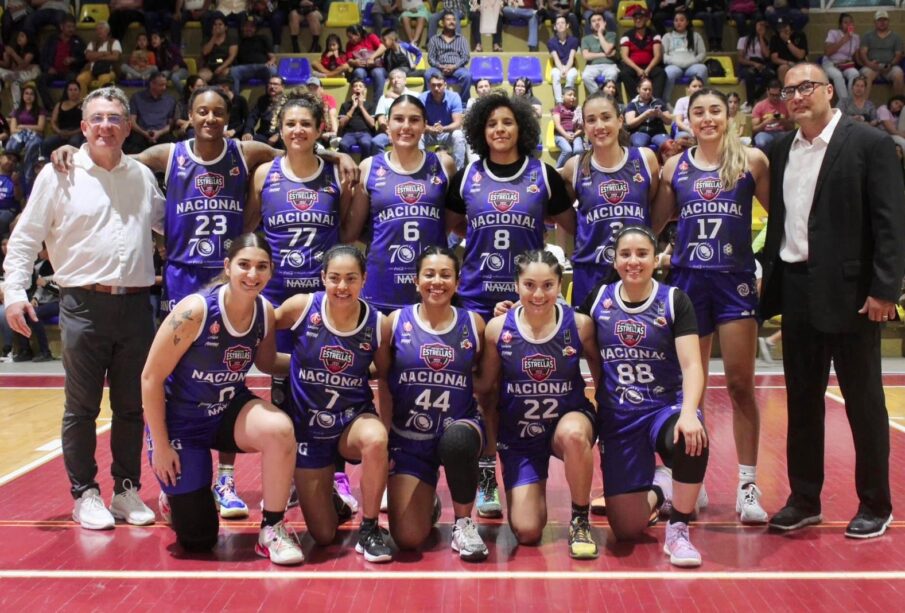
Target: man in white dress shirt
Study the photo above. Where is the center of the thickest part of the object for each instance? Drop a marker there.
(96, 221)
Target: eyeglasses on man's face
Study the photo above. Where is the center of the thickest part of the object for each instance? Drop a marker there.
(805, 88)
(98, 119)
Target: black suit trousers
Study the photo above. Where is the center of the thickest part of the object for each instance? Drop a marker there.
(806, 362)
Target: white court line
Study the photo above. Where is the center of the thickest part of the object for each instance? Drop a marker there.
(892, 423)
(271, 575)
(51, 446)
(44, 459)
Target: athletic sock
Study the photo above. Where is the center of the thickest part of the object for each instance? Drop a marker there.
(272, 518)
(676, 516)
(580, 511)
(368, 523)
(487, 464)
(746, 475)
(225, 469)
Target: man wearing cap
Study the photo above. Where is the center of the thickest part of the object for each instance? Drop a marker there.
(642, 55)
(331, 110)
(880, 54)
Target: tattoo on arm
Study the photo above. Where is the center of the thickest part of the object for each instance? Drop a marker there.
(177, 322)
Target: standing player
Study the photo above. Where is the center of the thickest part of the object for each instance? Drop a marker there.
(533, 352)
(647, 400)
(195, 400)
(615, 186)
(499, 203)
(402, 196)
(428, 397)
(336, 336)
(712, 187)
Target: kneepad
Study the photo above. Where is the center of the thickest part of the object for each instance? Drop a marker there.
(459, 448)
(195, 520)
(687, 468)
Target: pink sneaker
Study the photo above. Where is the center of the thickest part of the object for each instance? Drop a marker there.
(678, 546)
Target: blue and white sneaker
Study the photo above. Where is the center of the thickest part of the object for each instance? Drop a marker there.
(227, 500)
(488, 498)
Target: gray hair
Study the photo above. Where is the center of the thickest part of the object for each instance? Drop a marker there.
(103, 24)
(113, 94)
(395, 71)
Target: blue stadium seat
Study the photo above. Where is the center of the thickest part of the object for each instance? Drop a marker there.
(294, 70)
(487, 67)
(366, 19)
(528, 67)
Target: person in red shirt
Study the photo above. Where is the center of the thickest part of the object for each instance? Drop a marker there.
(364, 53)
(642, 55)
(770, 118)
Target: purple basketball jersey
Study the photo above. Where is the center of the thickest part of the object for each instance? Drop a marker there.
(406, 218)
(541, 380)
(505, 217)
(329, 369)
(205, 201)
(641, 370)
(714, 231)
(431, 379)
(301, 222)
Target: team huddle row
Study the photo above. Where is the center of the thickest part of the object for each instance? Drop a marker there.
(450, 389)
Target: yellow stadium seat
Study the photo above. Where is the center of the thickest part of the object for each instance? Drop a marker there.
(549, 138)
(343, 15)
(422, 66)
(730, 78)
(191, 65)
(628, 22)
(569, 293)
(334, 82)
(548, 72)
(91, 14)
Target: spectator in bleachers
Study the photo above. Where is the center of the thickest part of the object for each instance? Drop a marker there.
(770, 118)
(364, 53)
(261, 125)
(881, 52)
(168, 58)
(485, 20)
(646, 117)
(858, 106)
(185, 11)
(66, 120)
(892, 119)
(683, 53)
(524, 88)
(233, 13)
(713, 14)
(611, 89)
(183, 125)
(26, 126)
(333, 60)
(254, 59)
(569, 136)
(563, 48)
(159, 15)
(357, 124)
(551, 9)
(10, 190)
(123, 13)
(457, 7)
(153, 112)
(271, 14)
(238, 109)
(598, 7)
(13, 19)
(663, 11)
(397, 58)
(218, 53)
(313, 13)
(19, 64)
(395, 89)
(738, 121)
(787, 48)
(794, 12)
(444, 118)
(839, 51)
(642, 55)
(62, 57)
(482, 87)
(414, 19)
(448, 57)
(142, 61)
(680, 111)
(755, 67)
(102, 55)
(518, 10)
(44, 296)
(599, 52)
(331, 111)
(743, 13)
(45, 13)
(386, 14)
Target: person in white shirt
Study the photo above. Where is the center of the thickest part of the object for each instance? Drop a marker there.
(96, 221)
(396, 80)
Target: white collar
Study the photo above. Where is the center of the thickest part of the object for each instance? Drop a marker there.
(825, 135)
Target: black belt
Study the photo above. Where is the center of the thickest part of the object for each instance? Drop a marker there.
(116, 290)
(798, 268)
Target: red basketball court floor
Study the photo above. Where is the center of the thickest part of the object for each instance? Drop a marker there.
(49, 563)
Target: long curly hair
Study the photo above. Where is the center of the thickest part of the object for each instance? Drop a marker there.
(476, 120)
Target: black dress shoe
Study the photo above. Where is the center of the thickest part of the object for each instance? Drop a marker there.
(866, 525)
(792, 518)
(23, 356)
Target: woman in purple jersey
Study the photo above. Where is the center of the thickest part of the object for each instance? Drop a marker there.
(427, 397)
(227, 417)
(342, 424)
(712, 262)
(531, 353)
(614, 185)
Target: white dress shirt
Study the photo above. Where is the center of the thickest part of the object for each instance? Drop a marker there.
(798, 186)
(96, 224)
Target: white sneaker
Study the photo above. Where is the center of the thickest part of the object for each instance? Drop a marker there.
(278, 543)
(163, 507)
(747, 505)
(467, 542)
(765, 350)
(384, 502)
(90, 512)
(128, 506)
(663, 479)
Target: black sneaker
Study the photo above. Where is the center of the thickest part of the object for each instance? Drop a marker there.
(43, 357)
(866, 525)
(372, 544)
(792, 518)
(24, 356)
(343, 511)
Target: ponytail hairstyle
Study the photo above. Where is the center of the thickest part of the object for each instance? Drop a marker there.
(536, 256)
(243, 241)
(584, 162)
(437, 250)
(302, 99)
(642, 230)
(340, 250)
(733, 158)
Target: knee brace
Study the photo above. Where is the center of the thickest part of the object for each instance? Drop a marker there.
(195, 520)
(687, 468)
(459, 448)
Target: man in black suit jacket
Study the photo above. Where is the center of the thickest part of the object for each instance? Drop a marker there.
(833, 265)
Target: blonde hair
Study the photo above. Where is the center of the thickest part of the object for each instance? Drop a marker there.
(733, 158)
